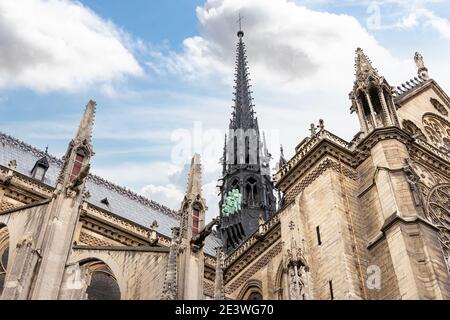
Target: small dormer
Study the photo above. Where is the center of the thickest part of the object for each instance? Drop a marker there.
(40, 168)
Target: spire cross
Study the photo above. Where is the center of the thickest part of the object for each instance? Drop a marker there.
(240, 21)
(240, 32)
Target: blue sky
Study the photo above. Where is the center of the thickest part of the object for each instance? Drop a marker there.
(159, 69)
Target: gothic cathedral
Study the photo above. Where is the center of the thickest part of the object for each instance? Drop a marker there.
(362, 219)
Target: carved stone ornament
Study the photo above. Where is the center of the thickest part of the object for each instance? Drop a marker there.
(438, 206)
(297, 268)
(439, 107)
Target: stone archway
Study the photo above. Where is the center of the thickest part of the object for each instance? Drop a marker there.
(102, 282)
(4, 255)
(89, 277)
(252, 291)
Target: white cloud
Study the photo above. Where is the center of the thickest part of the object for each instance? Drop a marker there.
(301, 62)
(168, 195)
(423, 17)
(60, 45)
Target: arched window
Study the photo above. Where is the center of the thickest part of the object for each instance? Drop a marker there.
(251, 291)
(103, 284)
(235, 184)
(377, 106)
(4, 255)
(247, 150)
(195, 219)
(235, 150)
(255, 295)
(365, 104)
(438, 206)
(414, 130)
(251, 192)
(77, 164)
(438, 131)
(281, 283)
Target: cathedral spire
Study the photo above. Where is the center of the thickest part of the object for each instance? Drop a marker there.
(371, 97)
(195, 176)
(79, 152)
(243, 114)
(87, 123)
(246, 187)
(363, 66)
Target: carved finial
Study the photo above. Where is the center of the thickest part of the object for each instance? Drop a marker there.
(312, 129)
(422, 71)
(153, 235)
(240, 33)
(364, 67)
(321, 124)
(282, 161)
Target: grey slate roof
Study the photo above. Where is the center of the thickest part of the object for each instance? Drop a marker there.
(122, 202)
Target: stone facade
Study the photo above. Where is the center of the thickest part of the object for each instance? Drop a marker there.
(365, 219)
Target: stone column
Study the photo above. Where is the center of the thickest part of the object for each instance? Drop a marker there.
(384, 105)
(362, 119)
(372, 111)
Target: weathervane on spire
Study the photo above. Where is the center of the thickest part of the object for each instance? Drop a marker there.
(240, 32)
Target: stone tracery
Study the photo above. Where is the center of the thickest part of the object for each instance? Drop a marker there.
(438, 206)
(438, 131)
(4, 254)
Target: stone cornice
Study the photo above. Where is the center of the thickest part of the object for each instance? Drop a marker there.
(403, 98)
(246, 271)
(325, 143)
(249, 250)
(124, 248)
(377, 135)
(394, 219)
(308, 153)
(119, 226)
(302, 169)
(430, 155)
(28, 206)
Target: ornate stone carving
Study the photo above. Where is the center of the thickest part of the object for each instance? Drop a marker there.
(253, 268)
(438, 130)
(153, 235)
(422, 70)
(170, 289)
(438, 206)
(413, 178)
(439, 106)
(297, 268)
(413, 130)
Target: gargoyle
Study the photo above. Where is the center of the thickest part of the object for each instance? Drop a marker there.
(199, 240)
(78, 181)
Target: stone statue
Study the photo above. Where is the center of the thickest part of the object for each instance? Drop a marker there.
(232, 203)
